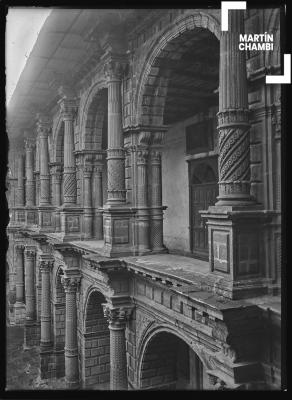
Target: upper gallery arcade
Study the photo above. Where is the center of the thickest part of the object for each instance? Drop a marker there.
(144, 187)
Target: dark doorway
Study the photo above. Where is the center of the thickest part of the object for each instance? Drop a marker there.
(203, 193)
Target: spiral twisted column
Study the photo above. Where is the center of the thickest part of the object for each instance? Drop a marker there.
(71, 285)
(115, 152)
(69, 175)
(233, 117)
(117, 318)
(30, 182)
(43, 129)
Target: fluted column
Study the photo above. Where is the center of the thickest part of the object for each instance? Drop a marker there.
(142, 200)
(20, 181)
(233, 117)
(71, 345)
(87, 200)
(115, 151)
(46, 334)
(19, 283)
(98, 201)
(156, 232)
(69, 175)
(30, 295)
(43, 128)
(30, 183)
(117, 318)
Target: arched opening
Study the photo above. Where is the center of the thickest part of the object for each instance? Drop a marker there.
(168, 363)
(94, 141)
(59, 315)
(181, 92)
(95, 345)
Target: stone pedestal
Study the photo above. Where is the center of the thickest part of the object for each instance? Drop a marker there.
(235, 222)
(117, 318)
(46, 218)
(71, 217)
(71, 284)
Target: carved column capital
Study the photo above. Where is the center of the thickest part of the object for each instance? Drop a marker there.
(46, 265)
(70, 284)
(29, 253)
(29, 144)
(117, 316)
(43, 125)
(142, 156)
(114, 69)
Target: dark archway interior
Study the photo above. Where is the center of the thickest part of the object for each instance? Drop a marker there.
(169, 363)
(193, 77)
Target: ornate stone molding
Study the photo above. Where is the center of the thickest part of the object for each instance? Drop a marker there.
(43, 125)
(71, 284)
(117, 316)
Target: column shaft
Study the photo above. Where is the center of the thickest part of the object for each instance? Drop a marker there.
(98, 202)
(20, 181)
(115, 151)
(46, 335)
(118, 360)
(233, 119)
(156, 230)
(87, 202)
(19, 283)
(69, 177)
(30, 296)
(30, 183)
(71, 344)
(43, 130)
(142, 199)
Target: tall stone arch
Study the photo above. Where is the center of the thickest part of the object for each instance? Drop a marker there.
(165, 50)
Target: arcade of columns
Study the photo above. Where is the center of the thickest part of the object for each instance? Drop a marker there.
(235, 210)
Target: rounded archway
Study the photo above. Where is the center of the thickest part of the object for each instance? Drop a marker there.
(95, 344)
(169, 363)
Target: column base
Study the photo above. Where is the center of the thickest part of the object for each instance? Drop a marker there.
(19, 313)
(118, 237)
(47, 364)
(31, 334)
(236, 252)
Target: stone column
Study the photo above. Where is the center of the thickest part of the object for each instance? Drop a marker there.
(142, 201)
(115, 151)
(30, 183)
(30, 296)
(233, 117)
(71, 345)
(117, 318)
(87, 200)
(57, 178)
(46, 333)
(20, 181)
(19, 284)
(235, 222)
(69, 175)
(156, 209)
(43, 132)
(98, 201)
(19, 306)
